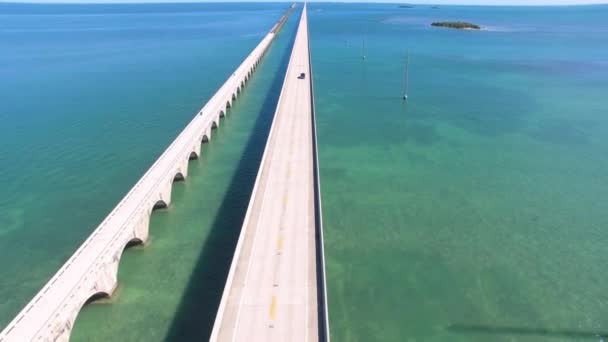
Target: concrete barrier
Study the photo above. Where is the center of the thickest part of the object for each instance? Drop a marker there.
(322, 303)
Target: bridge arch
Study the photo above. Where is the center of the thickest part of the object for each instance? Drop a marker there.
(228, 105)
(133, 242)
(233, 96)
(104, 286)
(205, 138)
(222, 113)
(95, 297)
(160, 204)
(71, 320)
(179, 177)
(214, 125)
(193, 155)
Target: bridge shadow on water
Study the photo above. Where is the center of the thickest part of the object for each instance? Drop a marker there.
(194, 318)
(528, 331)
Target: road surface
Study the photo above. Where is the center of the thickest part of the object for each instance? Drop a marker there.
(271, 292)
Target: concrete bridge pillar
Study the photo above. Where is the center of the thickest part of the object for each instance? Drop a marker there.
(107, 276)
(182, 169)
(195, 153)
(102, 284)
(163, 198)
(141, 227)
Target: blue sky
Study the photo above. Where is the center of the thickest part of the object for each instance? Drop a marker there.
(435, 2)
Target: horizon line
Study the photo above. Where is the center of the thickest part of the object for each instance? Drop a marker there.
(497, 3)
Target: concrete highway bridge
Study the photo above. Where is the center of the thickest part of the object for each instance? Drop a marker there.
(276, 286)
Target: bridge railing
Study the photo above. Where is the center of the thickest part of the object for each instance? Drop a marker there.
(324, 335)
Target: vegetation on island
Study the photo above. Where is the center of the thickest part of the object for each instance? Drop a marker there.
(456, 25)
(406, 6)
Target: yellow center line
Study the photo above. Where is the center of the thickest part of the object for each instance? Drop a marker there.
(273, 307)
(280, 242)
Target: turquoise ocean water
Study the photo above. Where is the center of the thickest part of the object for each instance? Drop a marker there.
(91, 95)
(475, 212)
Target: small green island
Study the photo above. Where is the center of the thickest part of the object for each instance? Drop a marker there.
(406, 6)
(461, 25)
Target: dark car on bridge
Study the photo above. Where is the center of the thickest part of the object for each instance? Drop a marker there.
(302, 76)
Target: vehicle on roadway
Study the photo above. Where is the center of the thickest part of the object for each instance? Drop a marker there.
(302, 76)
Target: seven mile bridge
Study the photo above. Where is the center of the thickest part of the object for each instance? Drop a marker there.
(276, 289)
(276, 286)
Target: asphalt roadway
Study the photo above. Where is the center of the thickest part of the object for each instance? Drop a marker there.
(271, 294)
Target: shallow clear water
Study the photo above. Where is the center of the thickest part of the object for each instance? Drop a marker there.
(91, 95)
(474, 212)
(477, 210)
(170, 290)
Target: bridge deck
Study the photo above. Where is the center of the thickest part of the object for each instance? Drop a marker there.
(271, 292)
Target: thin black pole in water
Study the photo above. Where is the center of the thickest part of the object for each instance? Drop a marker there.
(405, 76)
(364, 46)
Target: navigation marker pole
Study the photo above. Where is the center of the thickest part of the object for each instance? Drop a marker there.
(405, 76)
(363, 46)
